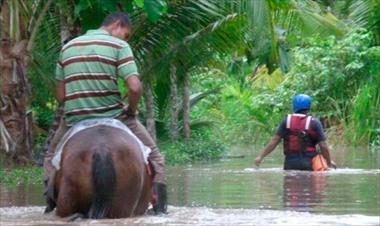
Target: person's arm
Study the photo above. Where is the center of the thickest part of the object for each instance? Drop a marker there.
(60, 92)
(326, 154)
(134, 93)
(60, 82)
(317, 126)
(268, 149)
(127, 69)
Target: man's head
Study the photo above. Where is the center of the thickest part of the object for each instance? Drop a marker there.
(301, 103)
(118, 25)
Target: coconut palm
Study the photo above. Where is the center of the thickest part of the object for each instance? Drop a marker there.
(192, 32)
(274, 25)
(366, 13)
(187, 36)
(177, 34)
(20, 23)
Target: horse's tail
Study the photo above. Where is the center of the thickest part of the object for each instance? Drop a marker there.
(104, 182)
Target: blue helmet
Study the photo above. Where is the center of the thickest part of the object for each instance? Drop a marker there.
(301, 102)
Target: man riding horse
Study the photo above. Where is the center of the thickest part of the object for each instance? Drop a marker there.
(87, 73)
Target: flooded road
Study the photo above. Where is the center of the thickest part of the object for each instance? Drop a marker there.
(233, 192)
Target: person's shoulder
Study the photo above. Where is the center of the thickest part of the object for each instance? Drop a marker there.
(315, 119)
(118, 41)
(316, 122)
(284, 119)
(100, 35)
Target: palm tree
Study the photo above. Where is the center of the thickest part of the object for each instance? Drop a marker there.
(173, 132)
(366, 13)
(272, 25)
(20, 22)
(193, 31)
(187, 36)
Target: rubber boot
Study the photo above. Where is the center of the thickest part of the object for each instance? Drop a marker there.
(160, 207)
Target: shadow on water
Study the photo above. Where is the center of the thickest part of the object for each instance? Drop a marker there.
(232, 192)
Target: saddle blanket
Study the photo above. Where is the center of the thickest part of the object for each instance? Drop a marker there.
(85, 124)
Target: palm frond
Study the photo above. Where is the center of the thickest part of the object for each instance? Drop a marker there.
(366, 13)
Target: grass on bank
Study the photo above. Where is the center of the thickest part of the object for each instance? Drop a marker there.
(25, 175)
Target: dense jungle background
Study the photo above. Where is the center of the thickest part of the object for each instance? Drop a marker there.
(216, 73)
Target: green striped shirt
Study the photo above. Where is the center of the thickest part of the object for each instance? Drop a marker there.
(89, 66)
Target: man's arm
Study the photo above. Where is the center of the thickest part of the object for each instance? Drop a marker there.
(317, 125)
(326, 154)
(134, 93)
(60, 92)
(268, 149)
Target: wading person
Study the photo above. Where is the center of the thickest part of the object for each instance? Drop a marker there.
(301, 133)
(87, 71)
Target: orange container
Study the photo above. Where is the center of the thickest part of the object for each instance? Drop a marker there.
(319, 163)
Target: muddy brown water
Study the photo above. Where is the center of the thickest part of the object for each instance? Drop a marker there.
(232, 191)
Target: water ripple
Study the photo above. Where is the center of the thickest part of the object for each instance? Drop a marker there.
(193, 216)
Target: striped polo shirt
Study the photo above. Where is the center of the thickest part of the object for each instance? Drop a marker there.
(89, 66)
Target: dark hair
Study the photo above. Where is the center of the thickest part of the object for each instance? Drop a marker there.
(118, 16)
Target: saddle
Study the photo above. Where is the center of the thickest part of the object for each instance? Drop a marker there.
(85, 124)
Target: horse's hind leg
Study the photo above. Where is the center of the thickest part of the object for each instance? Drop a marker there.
(67, 201)
(145, 198)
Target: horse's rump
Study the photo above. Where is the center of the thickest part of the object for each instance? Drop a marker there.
(102, 175)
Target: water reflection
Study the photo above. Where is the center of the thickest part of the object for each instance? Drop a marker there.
(231, 192)
(304, 191)
(21, 195)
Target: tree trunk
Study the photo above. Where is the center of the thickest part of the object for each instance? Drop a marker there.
(173, 132)
(68, 31)
(186, 106)
(65, 29)
(16, 134)
(15, 116)
(149, 105)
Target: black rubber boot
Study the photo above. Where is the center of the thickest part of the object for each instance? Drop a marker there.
(160, 207)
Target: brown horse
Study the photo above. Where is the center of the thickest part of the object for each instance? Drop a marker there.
(102, 175)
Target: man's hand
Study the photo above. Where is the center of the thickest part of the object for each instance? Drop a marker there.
(268, 149)
(332, 164)
(131, 112)
(258, 160)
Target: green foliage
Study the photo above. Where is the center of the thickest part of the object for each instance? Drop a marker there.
(365, 119)
(235, 119)
(203, 146)
(224, 44)
(86, 9)
(41, 70)
(155, 9)
(340, 75)
(273, 26)
(366, 14)
(27, 175)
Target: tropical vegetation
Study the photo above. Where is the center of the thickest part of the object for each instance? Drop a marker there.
(216, 73)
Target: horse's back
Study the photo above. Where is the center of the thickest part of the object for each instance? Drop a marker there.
(101, 162)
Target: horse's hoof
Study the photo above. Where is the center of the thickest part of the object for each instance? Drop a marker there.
(50, 206)
(75, 217)
(48, 209)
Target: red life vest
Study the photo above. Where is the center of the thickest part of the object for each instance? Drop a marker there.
(298, 136)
